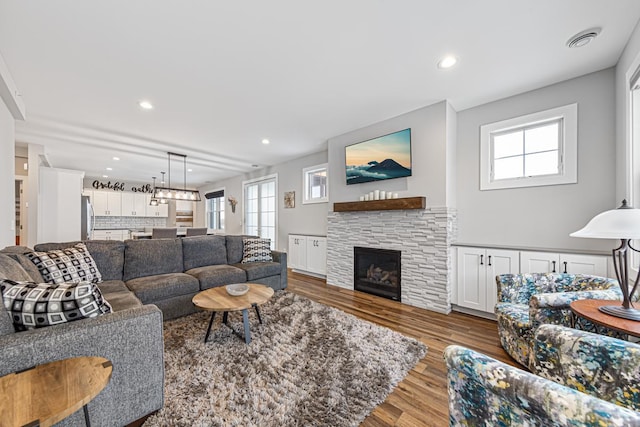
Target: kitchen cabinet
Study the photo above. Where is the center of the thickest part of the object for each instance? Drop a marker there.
(107, 203)
(308, 253)
(160, 211)
(110, 235)
(134, 204)
(476, 273)
(551, 262)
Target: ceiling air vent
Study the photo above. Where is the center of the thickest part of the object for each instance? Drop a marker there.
(583, 38)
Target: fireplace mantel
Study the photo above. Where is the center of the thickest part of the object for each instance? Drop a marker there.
(382, 205)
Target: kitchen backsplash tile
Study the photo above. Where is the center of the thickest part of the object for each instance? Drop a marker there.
(127, 222)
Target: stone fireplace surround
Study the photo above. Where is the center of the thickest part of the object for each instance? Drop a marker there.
(424, 236)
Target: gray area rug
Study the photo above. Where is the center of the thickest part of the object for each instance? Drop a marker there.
(308, 365)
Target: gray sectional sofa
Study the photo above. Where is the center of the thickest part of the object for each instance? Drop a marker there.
(144, 281)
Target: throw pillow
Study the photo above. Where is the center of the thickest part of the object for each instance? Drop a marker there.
(256, 250)
(70, 265)
(33, 305)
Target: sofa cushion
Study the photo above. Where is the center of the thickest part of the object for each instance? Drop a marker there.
(113, 286)
(256, 250)
(108, 254)
(69, 265)
(162, 286)
(217, 275)
(35, 305)
(199, 251)
(11, 269)
(234, 248)
(259, 270)
(6, 324)
(122, 300)
(150, 257)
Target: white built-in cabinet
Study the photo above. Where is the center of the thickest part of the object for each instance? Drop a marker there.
(114, 203)
(308, 254)
(161, 211)
(110, 235)
(59, 192)
(107, 203)
(134, 204)
(477, 269)
(537, 262)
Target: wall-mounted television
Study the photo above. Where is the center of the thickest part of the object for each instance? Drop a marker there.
(384, 157)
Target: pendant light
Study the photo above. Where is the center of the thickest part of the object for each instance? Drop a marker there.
(169, 193)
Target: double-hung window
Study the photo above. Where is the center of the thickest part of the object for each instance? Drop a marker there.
(533, 150)
(215, 210)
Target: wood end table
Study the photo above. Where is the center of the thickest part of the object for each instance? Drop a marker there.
(219, 300)
(589, 309)
(49, 393)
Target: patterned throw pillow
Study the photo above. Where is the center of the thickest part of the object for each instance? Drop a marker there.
(70, 265)
(34, 305)
(256, 250)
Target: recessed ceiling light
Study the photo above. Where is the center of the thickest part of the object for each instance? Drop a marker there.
(583, 38)
(189, 170)
(116, 158)
(265, 141)
(105, 176)
(447, 62)
(109, 169)
(145, 105)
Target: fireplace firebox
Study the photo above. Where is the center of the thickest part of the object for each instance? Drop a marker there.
(377, 272)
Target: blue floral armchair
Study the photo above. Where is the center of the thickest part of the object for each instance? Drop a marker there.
(526, 301)
(583, 380)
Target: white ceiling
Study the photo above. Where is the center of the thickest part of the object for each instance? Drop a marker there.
(223, 75)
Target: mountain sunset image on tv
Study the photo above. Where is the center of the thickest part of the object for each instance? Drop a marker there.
(381, 158)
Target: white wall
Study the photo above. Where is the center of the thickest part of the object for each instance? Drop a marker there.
(629, 61)
(542, 217)
(303, 219)
(428, 157)
(7, 177)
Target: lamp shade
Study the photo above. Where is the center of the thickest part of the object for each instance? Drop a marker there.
(621, 223)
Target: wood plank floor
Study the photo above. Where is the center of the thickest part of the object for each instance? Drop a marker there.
(421, 398)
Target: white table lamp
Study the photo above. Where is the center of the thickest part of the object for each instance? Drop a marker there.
(624, 224)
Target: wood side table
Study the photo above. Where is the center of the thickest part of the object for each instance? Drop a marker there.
(589, 309)
(48, 393)
(218, 299)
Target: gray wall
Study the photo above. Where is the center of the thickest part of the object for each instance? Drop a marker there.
(428, 160)
(542, 217)
(303, 219)
(7, 178)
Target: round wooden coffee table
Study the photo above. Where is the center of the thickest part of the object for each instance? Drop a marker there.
(218, 299)
(48, 393)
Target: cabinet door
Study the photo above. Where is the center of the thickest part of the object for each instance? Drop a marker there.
(499, 262)
(162, 210)
(539, 262)
(472, 272)
(317, 255)
(128, 205)
(594, 265)
(100, 203)
(297, 252)
(114, 202)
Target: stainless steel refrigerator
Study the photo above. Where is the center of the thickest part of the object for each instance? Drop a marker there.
(86, 218)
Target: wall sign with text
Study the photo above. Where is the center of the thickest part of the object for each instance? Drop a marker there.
(121, 186)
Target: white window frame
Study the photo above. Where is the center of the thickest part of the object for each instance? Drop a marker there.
(224, 209)
(244, 204)
(568, 149)
(306, 173)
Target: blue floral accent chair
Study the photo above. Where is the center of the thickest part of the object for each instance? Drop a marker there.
(594, 364)
(583, 380)
(526, 301)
